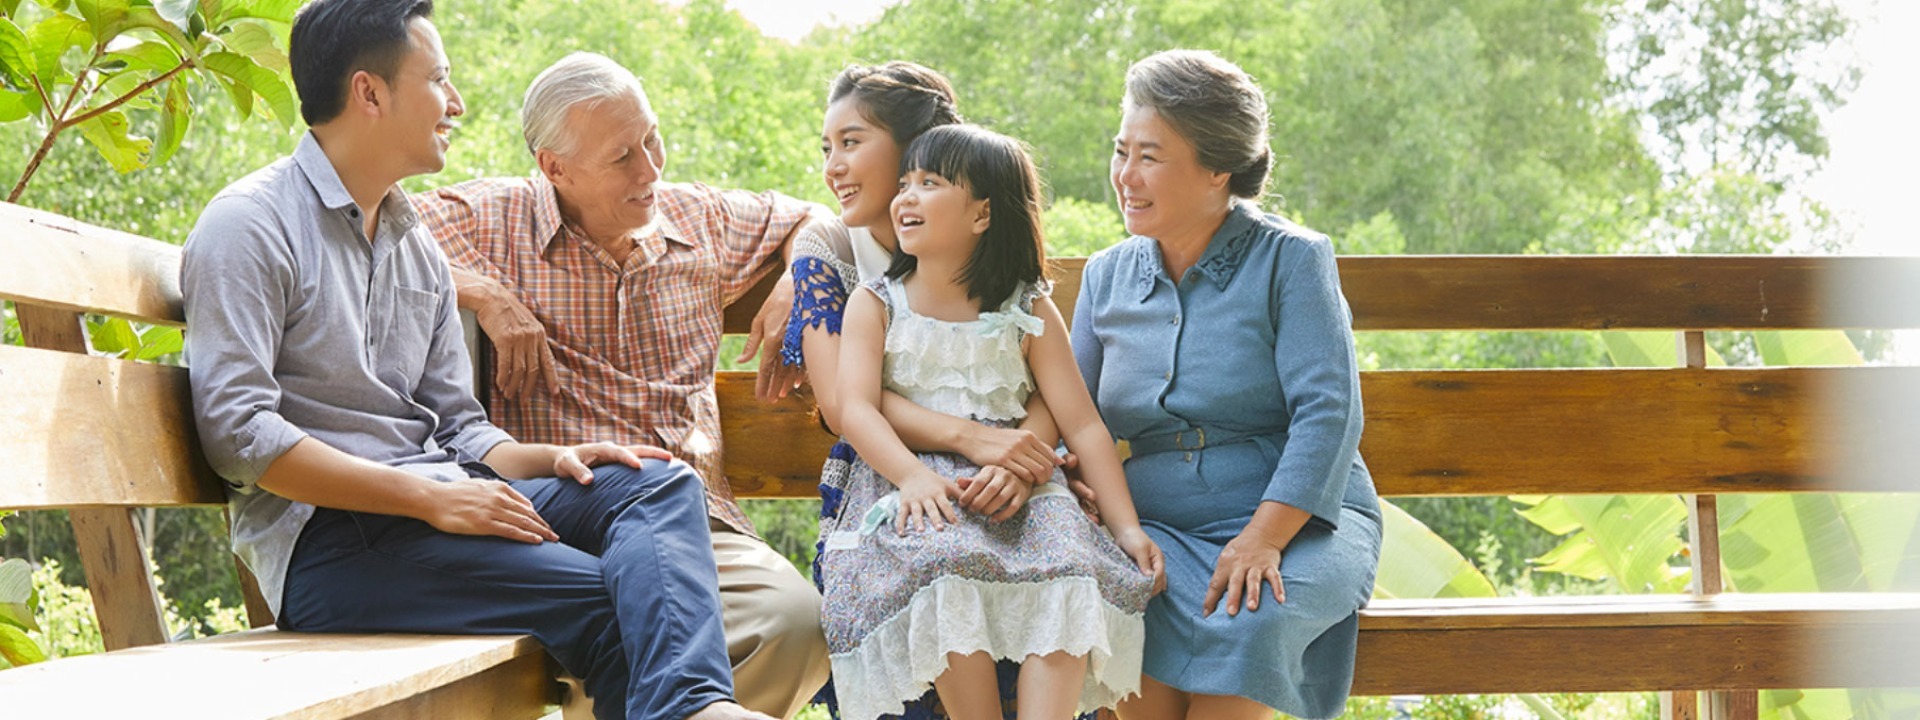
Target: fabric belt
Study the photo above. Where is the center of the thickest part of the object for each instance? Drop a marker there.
(1196, 438)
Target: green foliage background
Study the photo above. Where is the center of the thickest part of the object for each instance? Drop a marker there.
(1399, 126)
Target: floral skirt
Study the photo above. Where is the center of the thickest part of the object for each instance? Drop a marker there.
(1046, 580)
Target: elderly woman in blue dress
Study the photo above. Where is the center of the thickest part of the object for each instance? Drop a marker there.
(1217, 343)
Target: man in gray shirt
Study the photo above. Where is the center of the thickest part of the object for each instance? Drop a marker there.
(367, 489)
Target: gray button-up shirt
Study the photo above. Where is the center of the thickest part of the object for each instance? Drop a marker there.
(298, 326)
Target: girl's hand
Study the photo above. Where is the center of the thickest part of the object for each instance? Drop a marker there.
(1248, 560)
(1146, 555)
(927, 497)
(994, 491)
(1016, 450)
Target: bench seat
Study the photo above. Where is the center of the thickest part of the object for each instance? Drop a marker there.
(1639, 643)
(266, 673)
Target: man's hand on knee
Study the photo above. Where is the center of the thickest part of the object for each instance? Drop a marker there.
(487, 507)
(577, 462)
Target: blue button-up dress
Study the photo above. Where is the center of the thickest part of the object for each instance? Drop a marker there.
(1254, 346)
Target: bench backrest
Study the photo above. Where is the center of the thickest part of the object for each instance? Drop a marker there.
(101, 435)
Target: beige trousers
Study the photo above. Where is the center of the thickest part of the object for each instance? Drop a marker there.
(772, 619)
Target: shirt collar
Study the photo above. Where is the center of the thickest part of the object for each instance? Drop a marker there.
(547, 223)
(319, 170)
(1217, 263)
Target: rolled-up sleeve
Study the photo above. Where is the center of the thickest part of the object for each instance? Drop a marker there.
(1319, 379)
(750, 234)
(236, 276)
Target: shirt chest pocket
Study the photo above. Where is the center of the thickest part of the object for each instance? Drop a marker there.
(402, 355)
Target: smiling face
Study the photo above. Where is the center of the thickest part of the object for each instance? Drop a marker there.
(424, 102)
(1164, 191)
(936, 219)
(606, 184)
(862, 165)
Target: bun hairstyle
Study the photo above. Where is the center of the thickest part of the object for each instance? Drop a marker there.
(1214, 105)
(905, 98)
(998, 169)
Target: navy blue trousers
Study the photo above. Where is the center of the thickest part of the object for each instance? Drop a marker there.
(628, 599)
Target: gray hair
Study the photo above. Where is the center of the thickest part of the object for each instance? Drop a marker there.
(579, 79)
(1213, 104)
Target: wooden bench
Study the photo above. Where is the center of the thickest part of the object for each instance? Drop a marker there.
(102, 436)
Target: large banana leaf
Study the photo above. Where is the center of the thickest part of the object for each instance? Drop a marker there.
(1415, 563)
(1629, 540)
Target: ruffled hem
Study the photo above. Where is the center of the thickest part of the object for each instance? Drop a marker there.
(899, 659)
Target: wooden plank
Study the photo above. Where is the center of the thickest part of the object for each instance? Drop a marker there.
(89, 431)
(1625, 659)
(519, 688)
(273, 674)
(1594, 292)
(62, 263)
(113, 552)
(1832, 610)
(1498, 432)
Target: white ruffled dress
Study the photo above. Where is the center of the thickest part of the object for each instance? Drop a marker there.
(1044, 581)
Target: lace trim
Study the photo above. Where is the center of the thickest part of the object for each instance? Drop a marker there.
(899, 659)
(819, 299)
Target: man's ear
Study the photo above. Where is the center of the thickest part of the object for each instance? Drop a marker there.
(368, 94)
(985, 219)
(550, 165)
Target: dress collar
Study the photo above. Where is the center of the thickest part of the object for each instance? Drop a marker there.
(1217, 263)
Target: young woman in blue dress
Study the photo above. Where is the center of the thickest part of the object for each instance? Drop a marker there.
(1217, 343)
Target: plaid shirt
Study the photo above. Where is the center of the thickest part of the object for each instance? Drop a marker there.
(635, 342)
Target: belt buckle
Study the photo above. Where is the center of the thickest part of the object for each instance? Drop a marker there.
(1200, 439)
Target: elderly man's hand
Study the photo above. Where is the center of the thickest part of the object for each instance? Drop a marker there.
(775, 378)
(519, 347)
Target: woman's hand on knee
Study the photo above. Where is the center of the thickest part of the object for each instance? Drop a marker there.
(1245, 564)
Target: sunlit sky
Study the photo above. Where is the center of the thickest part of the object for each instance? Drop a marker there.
(1874, 147)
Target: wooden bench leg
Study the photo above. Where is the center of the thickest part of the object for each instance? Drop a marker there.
(124, 598)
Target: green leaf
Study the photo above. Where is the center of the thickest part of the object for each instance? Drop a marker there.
(51, 38)
(1416, 563)
(259, 80)
(1629, 539)
(148, 55)
(221, 12)
(114, 337)
(55, 5)
(102, 16)
(109, 134)
(150, 19)
(241, 96)
(1807, 347)
(8, 7)
(16, 53)
(178, 12)
(1821, 542)
(18, 600)
(18, 648)
(158, 342)
(1650, 348)
(257, 42)
(176, 113)
(16, 106)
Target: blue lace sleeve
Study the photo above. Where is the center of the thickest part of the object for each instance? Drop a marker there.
(819, 298)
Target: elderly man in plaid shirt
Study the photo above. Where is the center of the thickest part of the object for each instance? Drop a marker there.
(602, 289)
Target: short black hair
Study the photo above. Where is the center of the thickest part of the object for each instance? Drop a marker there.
(997, 169)
(333, 39)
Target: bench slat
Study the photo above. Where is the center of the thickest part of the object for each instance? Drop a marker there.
(1590, 292)
(62, 263)
(89, 431)
(273, 674)
(1480, 432)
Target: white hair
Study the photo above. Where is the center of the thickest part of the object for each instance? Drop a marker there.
(579, 79)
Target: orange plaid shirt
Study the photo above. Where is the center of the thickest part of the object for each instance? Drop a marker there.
(634, 343)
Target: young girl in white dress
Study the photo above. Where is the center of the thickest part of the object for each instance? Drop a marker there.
(919, 590)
